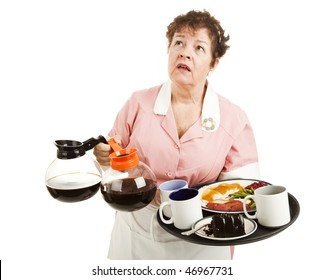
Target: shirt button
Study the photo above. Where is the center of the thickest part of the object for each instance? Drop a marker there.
(176, 146)
(169, 174)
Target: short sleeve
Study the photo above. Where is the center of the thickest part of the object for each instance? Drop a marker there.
(124, 122)
(242, 158)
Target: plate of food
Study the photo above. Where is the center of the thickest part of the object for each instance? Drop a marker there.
(225, 226)
(227, 195)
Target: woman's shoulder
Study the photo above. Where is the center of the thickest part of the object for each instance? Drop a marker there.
(229, 108)
(147, 93)
(143, 99)
(232, 117)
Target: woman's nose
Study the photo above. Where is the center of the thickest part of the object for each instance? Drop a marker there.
(186, 56)
(185, 53)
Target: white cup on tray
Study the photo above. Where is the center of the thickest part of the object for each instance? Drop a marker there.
(166, 188)
(185, 208)
(272, 206)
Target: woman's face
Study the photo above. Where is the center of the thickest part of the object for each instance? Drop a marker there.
(190, 57)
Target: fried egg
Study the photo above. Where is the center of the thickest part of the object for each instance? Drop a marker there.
(220, 192)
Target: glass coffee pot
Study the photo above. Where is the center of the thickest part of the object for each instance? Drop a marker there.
(128, 184)
(74, 176)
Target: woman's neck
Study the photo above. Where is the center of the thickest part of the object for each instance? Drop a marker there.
(188, 94)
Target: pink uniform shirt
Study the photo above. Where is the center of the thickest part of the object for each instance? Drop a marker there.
(219, 145)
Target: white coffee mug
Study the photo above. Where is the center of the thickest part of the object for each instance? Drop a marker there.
(168, 187)
(185, 208)
(272, 206)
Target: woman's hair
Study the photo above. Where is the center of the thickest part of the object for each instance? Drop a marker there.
(195, 20)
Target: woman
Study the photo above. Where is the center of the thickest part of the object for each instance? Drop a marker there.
(182, 129)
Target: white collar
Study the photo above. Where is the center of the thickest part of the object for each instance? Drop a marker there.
(210, 113)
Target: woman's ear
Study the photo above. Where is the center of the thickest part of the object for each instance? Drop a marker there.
(215, 64)
(213, 67)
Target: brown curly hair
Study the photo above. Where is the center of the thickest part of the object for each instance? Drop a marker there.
(195, 20)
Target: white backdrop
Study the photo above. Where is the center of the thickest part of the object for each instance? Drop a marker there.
(67, 67)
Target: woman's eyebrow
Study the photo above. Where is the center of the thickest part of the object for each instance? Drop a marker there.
(179, 35)
(202, 42)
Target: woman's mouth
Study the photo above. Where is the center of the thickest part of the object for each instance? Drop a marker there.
(183, 66)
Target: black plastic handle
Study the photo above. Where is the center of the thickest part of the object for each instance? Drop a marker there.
(92, 142)
(70, 149)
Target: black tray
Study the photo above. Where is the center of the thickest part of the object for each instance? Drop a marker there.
(260, 234)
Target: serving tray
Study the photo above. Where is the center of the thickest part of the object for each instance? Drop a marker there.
(260, 234)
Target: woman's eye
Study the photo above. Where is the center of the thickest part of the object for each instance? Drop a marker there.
(178, 43)
(200, 48)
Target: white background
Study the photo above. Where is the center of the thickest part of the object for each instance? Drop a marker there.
(66, 68)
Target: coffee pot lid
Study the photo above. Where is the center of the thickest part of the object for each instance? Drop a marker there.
(122, 159)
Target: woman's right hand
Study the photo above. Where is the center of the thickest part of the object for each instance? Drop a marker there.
(102, 152)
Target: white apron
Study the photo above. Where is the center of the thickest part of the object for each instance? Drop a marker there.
(138, 236)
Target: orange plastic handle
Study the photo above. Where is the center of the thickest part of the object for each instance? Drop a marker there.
(114, 145)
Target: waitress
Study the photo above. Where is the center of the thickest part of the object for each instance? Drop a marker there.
(182, 129)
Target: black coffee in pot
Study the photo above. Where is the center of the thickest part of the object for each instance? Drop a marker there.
(128, 196)
(73, 187)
